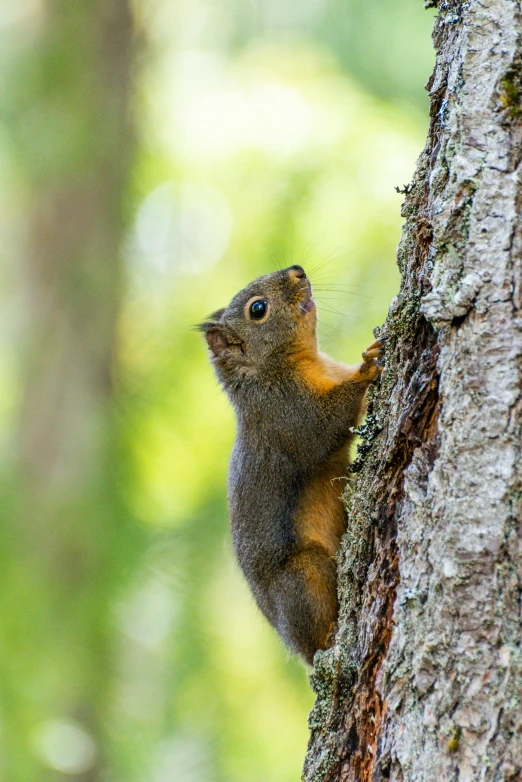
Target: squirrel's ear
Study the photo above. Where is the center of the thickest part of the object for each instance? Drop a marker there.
(217, 341)
(219, 338)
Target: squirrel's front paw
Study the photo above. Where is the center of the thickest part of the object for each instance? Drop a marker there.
(371, 356)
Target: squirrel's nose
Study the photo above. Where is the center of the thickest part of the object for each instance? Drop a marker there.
(296, 273)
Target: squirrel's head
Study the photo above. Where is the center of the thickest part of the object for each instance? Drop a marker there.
(266, 323)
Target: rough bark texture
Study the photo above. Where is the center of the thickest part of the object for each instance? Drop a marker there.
(425, 679)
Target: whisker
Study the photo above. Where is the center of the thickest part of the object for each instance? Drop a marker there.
(348, 289)
(338, 286)
(336, 312)
(333, 328)
(318, 323)
(321, 266)
(335, 255)
(277, 268)
(312, 244)
(343, 298)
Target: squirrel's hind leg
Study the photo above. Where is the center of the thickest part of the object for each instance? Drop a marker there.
(306, 597)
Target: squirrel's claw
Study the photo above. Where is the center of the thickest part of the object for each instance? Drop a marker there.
(375, 350)
(371, 357)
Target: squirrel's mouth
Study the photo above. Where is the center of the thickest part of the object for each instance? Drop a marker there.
(307, 304)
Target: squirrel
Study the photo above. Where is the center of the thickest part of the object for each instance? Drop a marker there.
(295, 410)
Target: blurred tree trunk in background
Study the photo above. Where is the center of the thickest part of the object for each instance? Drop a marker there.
(425, 681)
(69, 121)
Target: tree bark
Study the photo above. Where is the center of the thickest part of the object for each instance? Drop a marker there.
(425, 679)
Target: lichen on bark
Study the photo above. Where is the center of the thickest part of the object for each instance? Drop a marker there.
(424, 681)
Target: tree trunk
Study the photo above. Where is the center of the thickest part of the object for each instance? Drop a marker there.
(425, 679)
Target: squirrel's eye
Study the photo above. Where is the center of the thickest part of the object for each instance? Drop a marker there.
(258, 309)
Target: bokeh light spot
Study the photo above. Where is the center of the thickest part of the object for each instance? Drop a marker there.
(64, 746)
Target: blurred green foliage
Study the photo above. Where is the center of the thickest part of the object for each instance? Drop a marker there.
(268, 133)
